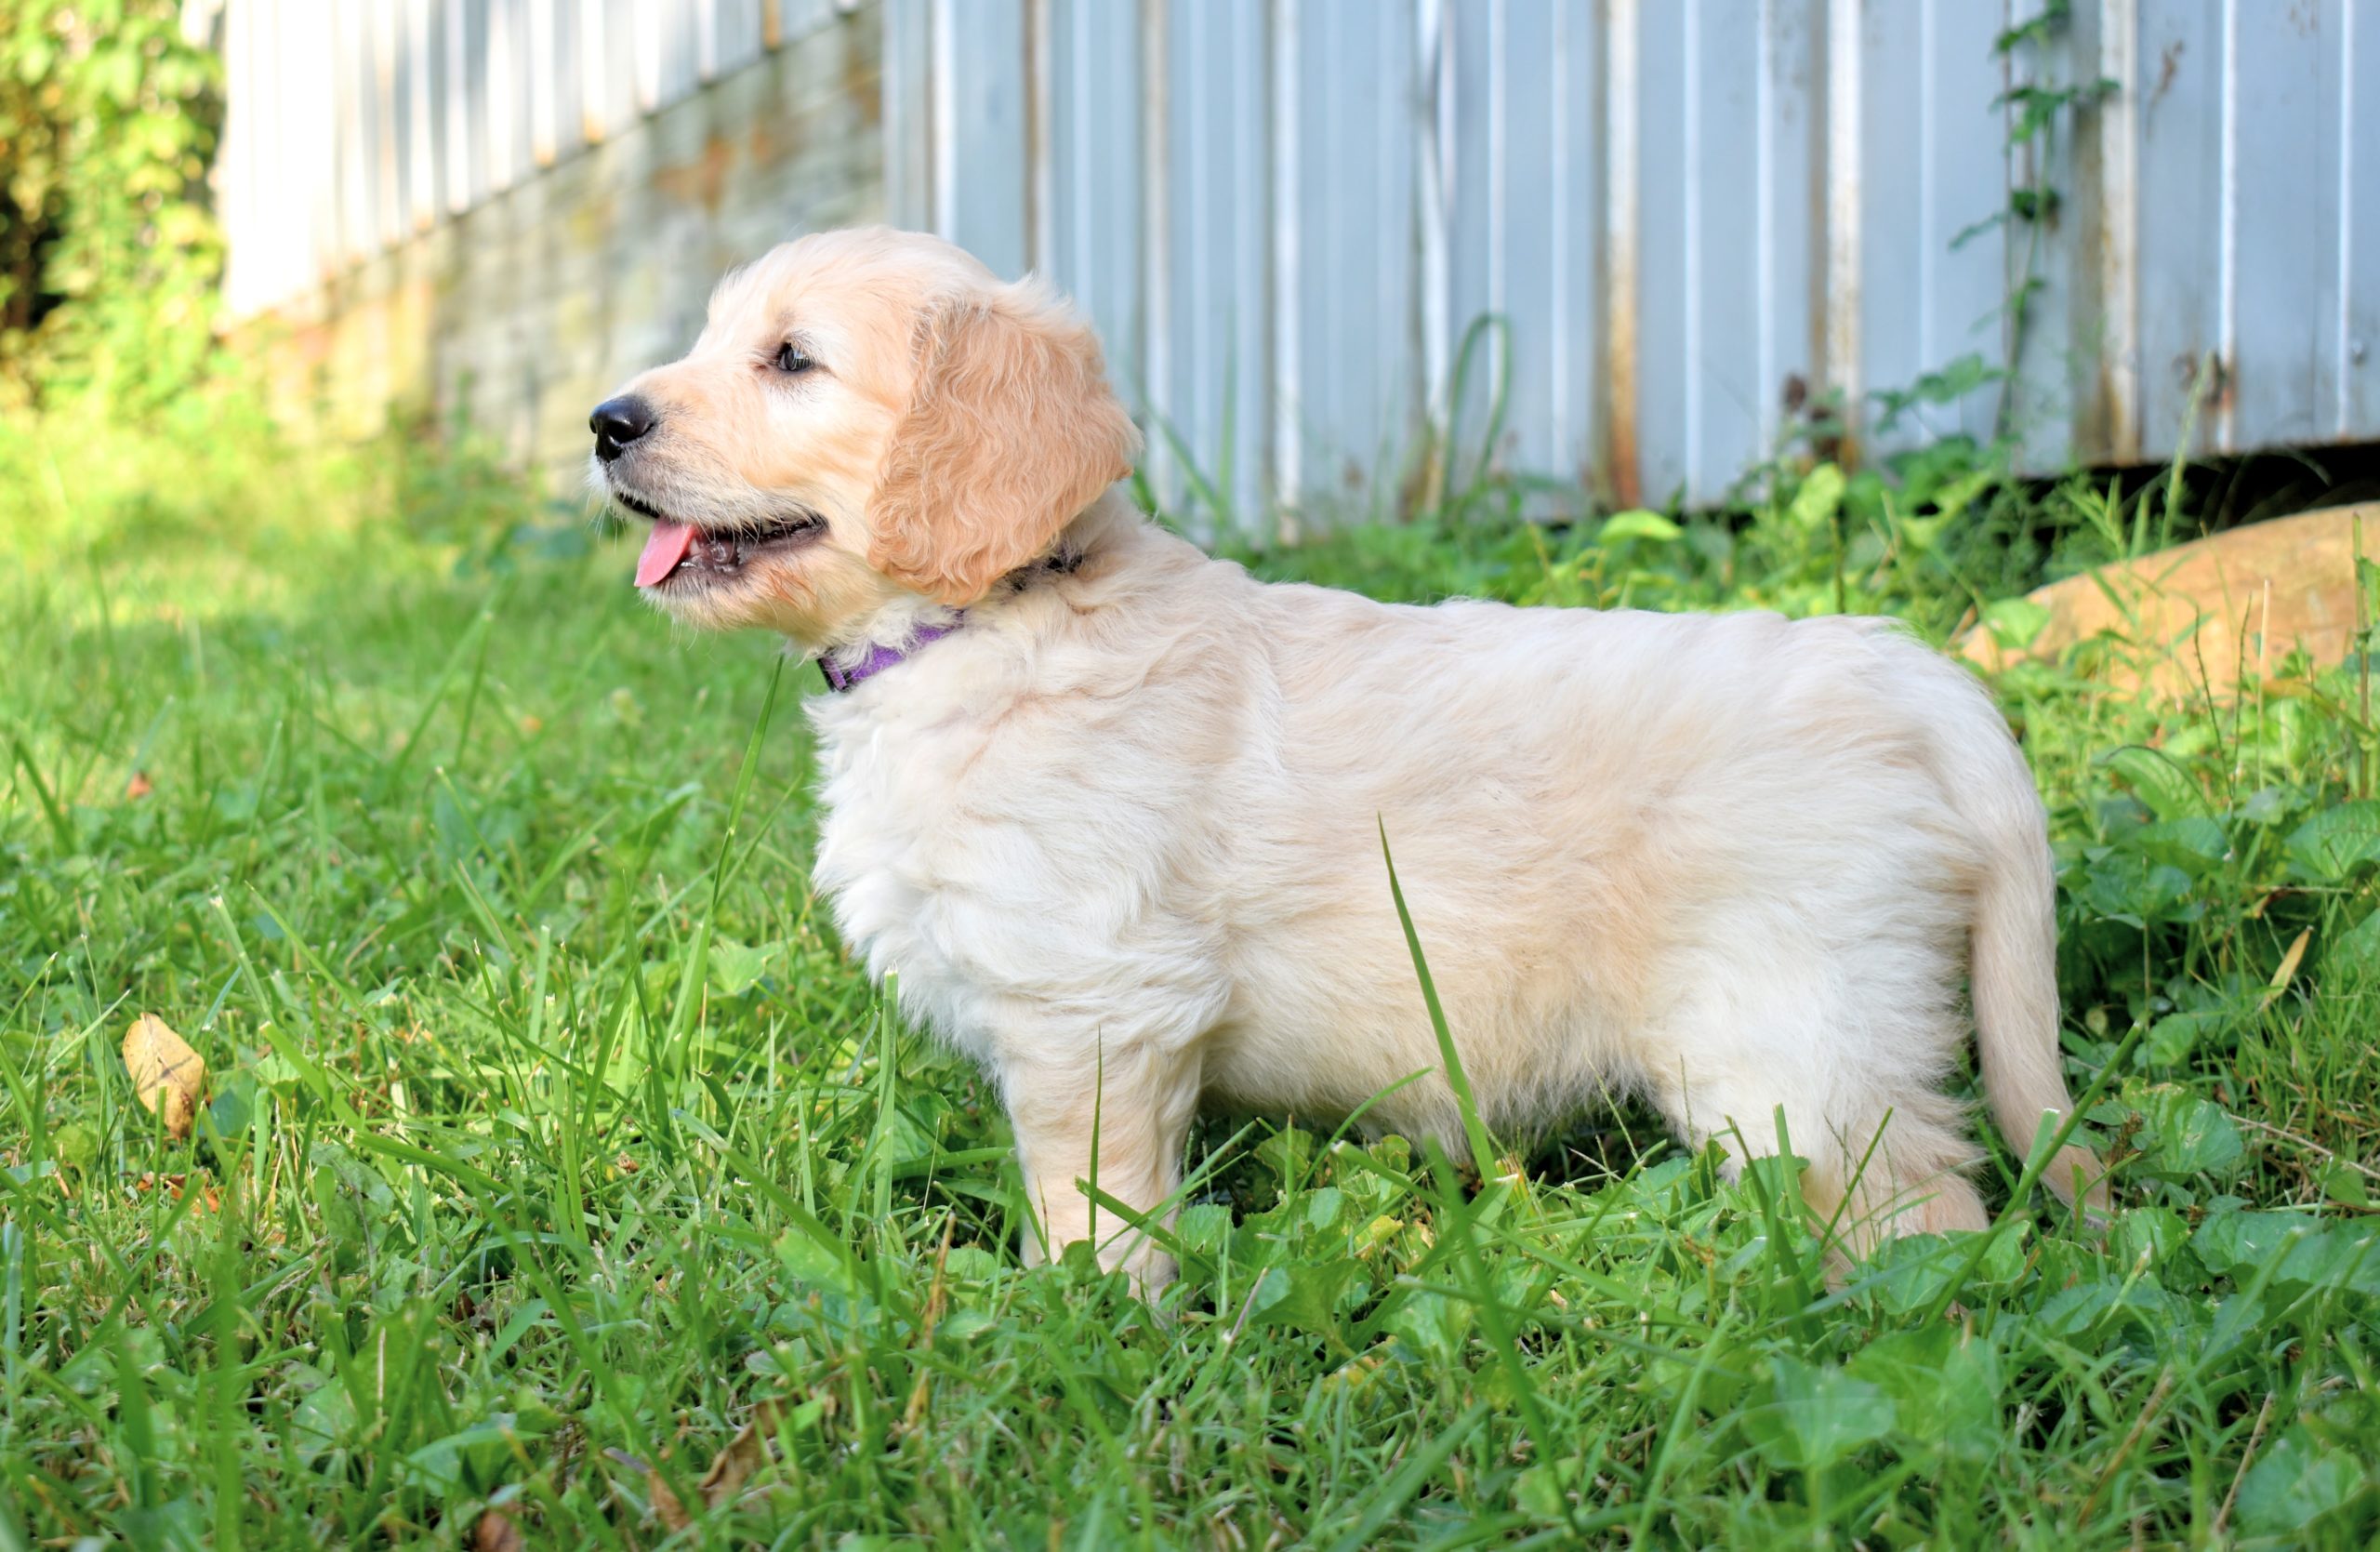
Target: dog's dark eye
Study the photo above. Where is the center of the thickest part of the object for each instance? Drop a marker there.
(791, 359)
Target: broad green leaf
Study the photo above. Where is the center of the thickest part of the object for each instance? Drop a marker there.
(735, 969)
(2356, 951)
(2296, 1483)
(2335, 843)
(2185, 1135)
(2195, 843)
(2169, 790)
(1819, 1415)
(1819, 497)
(1305, 1295)
(1637, 524)
(2016, 623)
(2174, 1037)
(2304, 1252)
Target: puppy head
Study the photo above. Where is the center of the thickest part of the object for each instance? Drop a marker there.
(868, 415)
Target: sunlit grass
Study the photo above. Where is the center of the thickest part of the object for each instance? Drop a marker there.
(551, 1135)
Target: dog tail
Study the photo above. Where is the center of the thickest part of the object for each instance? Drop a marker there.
(2013, 943)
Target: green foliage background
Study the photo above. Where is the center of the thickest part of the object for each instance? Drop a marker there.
(108, 251)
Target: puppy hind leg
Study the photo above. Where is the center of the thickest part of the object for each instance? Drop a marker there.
(1872, 1172)
(1899, 1169)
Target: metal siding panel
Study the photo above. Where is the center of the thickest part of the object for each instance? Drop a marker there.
(383, 40)
(506, 152)
(1248, 212)
(1356, 288)
(544, 54)
(1217, 362)
(1789, 235)
(565, 59)
(425, 99)
(1894, 263)
(475, 184)
(980, 171)
(735, 35)
(907, 104)
(2358, 412)
(356, 236)
(610, 68)
(1469, 146)
(1576, 389)
(1530, 167)
(316, 78)
(2179, 159)
(2047, 397)
(2285, 279)
(1095, 184)
(1662, 255)
(1966, 184)
(664, 51)
(1720, 117)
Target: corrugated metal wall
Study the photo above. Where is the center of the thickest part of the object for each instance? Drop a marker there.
(1696, 218)
(356, 123)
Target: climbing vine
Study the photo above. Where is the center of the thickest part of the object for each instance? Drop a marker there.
(109, 252)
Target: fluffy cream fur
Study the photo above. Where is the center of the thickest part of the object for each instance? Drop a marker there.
(1118, 835)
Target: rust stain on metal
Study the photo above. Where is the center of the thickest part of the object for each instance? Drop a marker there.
(702, 182)
(2169, 62)
(860, 73)
(1627, 480)
(1620, 451)
(1839, 214)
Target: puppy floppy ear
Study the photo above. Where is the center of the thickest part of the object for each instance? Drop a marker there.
(1010, 433)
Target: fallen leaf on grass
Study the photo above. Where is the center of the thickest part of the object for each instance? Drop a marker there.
(2289, 963)
(745, 1455)
(166, 1074)
(497, 1532)
(734, 1465)
(666, 1508)
(175, 1184)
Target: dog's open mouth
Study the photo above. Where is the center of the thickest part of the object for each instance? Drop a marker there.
(679, 553)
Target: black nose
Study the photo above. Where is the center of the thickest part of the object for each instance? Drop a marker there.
(617, 422)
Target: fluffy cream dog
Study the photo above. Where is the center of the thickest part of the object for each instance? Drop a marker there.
(1111, 809)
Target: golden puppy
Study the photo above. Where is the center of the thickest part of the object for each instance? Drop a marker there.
(1111, 809)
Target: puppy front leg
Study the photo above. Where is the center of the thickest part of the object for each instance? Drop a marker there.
(1118, 1124)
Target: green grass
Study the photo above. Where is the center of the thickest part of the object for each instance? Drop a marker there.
(553, 1139)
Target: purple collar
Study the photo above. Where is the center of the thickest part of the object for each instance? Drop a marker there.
(878, 659)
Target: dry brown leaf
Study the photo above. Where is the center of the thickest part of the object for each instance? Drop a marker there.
(666, 1508)
(745, 1455)
(138, 787)
(209, 1201)
(734, 1466)
(166, 1074)
(497, 1532)
(2289, 963)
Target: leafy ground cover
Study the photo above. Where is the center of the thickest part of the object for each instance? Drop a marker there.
(559, 1182)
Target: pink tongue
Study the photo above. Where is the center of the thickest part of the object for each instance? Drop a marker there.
(663, 550)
